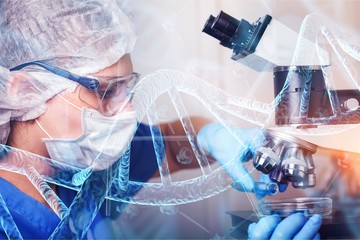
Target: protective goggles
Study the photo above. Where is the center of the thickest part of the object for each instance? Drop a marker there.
(101, 93)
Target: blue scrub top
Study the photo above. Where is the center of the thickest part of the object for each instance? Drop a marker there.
(36, 221)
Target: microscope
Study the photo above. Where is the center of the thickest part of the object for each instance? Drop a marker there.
(308, 113)
(303, 101)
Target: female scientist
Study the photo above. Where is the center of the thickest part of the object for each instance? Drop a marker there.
(46, 112)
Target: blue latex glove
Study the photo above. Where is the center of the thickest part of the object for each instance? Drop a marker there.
(295, 226)
(224, 146)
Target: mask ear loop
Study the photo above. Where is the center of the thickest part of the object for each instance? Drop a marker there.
(43, 129)
(70, 103)
(67, 101)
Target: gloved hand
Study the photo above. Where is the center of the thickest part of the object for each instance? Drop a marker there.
(295, 226)
(230, 148)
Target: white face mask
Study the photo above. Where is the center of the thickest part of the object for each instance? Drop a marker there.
(103, 140)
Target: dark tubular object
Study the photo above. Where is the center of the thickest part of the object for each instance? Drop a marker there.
(240, 36)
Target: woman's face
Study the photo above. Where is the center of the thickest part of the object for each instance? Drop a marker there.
(62, 120)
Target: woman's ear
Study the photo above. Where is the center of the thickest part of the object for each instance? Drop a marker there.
(24, 95)
(19, 83)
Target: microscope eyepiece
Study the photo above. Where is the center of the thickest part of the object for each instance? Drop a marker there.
(239, 35)
(208, 28)
(226, 24)
(223, 28)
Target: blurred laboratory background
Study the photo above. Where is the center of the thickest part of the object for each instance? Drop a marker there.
(170, 37)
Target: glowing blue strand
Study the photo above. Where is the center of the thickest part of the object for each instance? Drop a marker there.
(85, 204)
(4, 150)
(46, 192)
(124, 170)
(159, 147)
(333, 97)
(346, 63)
(55, 172)
(161, 81)
(351, 70)
(180, 192)
(7, 222)
(116, 193)
(189, 130)
(306, 75)
(145, 95)
(80, 177)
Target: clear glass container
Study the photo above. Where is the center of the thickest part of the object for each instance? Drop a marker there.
(284, 207)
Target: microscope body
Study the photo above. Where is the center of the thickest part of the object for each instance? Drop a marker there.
(304, 104)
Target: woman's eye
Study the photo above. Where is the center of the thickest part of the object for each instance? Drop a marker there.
(100, 93)
(108, 93)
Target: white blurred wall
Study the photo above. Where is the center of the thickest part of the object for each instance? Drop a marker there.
(170, 36)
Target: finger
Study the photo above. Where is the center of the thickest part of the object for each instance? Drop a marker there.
(264, 228)
(244, 180)
(219, 142)
(289, 226)
(266, 179)
(228, 150)
(282, 187)
(317, 237)
(310, 229)
(260, 195)
(251, 228)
